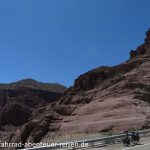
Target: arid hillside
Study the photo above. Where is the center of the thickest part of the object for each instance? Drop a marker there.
(107, 98)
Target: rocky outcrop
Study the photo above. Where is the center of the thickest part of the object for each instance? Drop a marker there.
(142, 49)
(98, 76)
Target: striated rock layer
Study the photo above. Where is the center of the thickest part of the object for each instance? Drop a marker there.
(106, 98)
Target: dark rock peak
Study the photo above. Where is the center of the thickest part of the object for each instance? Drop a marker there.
(33, 84)
(143, 49)
(27, 81)
(147, 40)
(148, 35)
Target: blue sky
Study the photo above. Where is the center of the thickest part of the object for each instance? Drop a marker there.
(57, 40)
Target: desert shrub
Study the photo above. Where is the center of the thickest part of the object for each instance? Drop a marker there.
(131, 129)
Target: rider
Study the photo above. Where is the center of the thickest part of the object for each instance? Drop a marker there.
(132, 135)
(128, 134)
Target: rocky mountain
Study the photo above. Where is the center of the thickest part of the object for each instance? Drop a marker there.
(20, 99)
(33, 84)
(106, 98)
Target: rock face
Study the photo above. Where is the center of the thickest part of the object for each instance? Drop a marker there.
(106, 98)
(17, 102)
(14, 114)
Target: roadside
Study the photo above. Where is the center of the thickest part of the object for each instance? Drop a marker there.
(144, 144)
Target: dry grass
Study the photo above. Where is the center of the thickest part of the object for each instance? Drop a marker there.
(76, 137)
